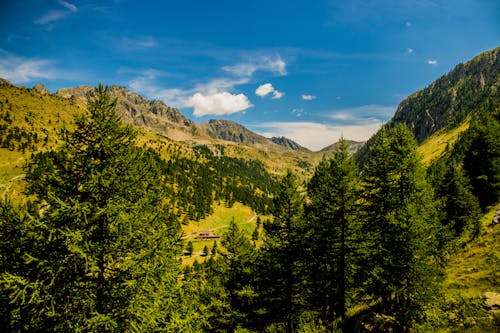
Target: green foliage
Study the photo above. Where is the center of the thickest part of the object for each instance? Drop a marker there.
(458, 207)
(333, 233)
(482, 159)
(102, 254)
(280, 262)
(399, 224)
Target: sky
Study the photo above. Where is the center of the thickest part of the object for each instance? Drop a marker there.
(312, 71)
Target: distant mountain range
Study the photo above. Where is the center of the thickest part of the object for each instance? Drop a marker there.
(156, 116)
(443, 105)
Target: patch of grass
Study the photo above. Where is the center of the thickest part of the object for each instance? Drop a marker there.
(216, 224)
(435, 145)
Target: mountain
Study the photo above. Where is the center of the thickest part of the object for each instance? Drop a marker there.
(288, 143)
(450, 99)
(231, 131)
(352, 146)
(134, 109)
(467, 91)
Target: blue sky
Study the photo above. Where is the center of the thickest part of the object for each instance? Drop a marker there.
(309, 70)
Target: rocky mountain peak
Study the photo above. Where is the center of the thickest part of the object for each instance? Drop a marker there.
(288, 143)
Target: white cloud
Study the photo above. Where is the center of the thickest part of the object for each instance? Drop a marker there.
(298, 112)
(266, 89)
(211, 98)
(217, 96)
(408, 24)
(316, 136)
(409, 50)
(278, 94)
(19, 69)
(365, 114)
(432, 62)
(258, 63)
(308, 97)
(222, 103)
(57, 14)
(68, 5)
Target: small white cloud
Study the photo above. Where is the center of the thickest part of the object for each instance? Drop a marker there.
(278, 94)
(221, 103)
(432, 62)
(68, 5)
(266, 89)
(19, 69)
(298, 112)
(408, 24)
(57, 14)
(359, 115)
(258, 63)
(308, 97)
(409, 50)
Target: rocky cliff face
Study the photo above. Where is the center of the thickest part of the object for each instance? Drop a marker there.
(230, 131)
(288, 143)
(135, 109)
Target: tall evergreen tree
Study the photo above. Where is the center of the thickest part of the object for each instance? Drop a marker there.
(280, 257)
(482, 159)
(333, 230)
(232, 275)
(104, 247)
(459, 208)
(399, 224)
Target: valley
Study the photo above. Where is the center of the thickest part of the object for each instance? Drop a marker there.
(395, 232)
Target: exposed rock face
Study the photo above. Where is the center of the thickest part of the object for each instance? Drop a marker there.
(4, 82)
(41, 89)
(230, 131)
(288, 143)
(135, 109)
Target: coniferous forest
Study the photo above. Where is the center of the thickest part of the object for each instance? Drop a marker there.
(360, 244)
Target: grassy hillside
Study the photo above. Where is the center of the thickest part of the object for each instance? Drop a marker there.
(434, 146)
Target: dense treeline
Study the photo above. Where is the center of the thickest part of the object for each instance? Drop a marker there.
(194, 183)
(97, 248)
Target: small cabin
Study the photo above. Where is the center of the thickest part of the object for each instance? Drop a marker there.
(205, 234)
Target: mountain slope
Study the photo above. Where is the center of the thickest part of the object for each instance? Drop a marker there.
(468, 91)
(451, 98)
(352, 147)
(137, 110)
(230, 131)
(288, 143)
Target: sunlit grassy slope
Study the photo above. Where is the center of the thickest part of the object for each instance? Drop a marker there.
(475, 269)
(436, 144)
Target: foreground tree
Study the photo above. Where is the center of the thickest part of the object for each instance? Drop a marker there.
(334, 233)
(280, 258)
(104, 246)
(400, 225)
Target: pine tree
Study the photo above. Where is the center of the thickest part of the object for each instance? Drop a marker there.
(104, 248)
(279, 262)
(459, 208)
(482, 159)
(399, 224)
(333, 230)
(232, 276)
